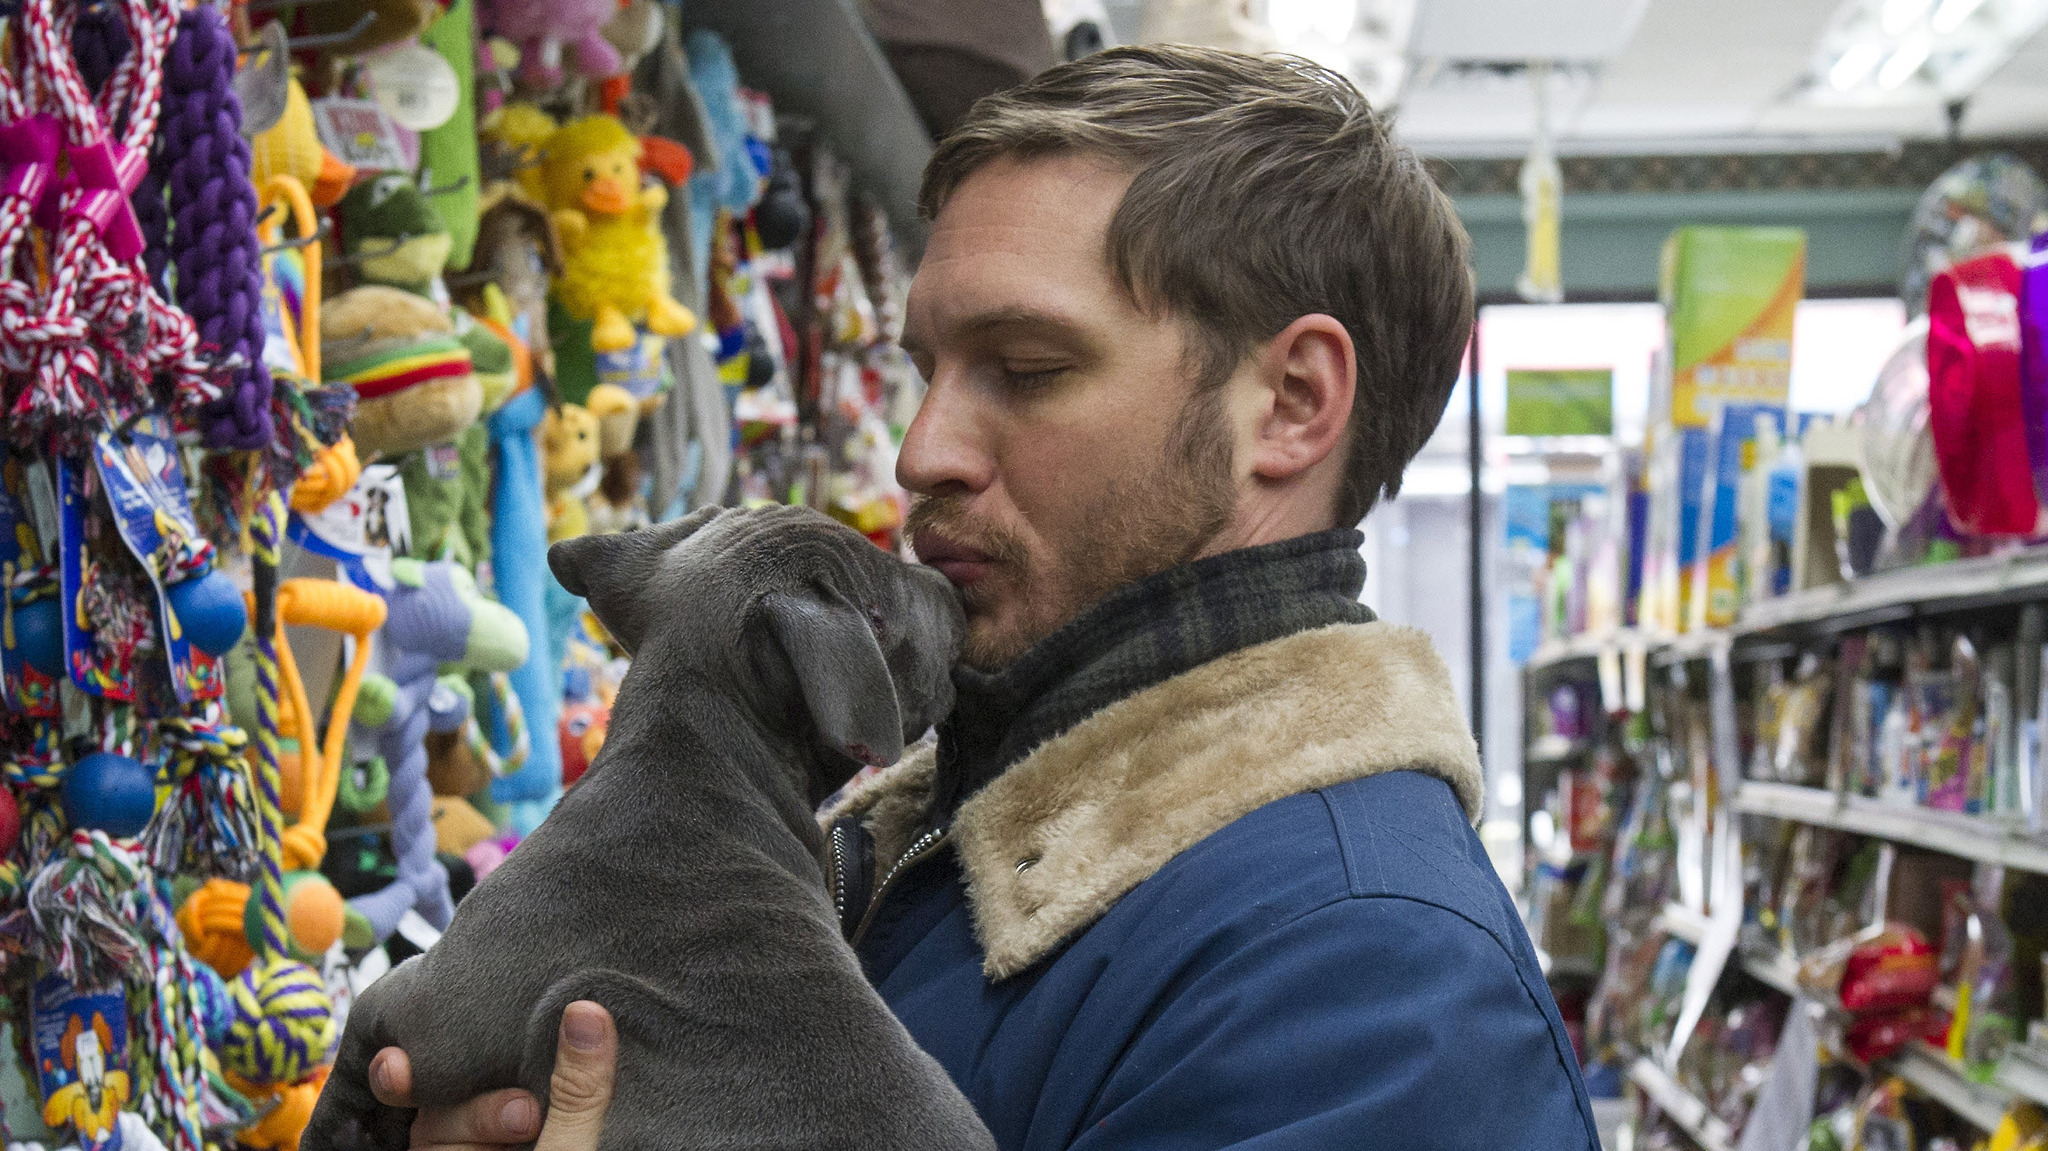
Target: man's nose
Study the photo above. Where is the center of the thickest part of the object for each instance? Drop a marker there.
(946, 449)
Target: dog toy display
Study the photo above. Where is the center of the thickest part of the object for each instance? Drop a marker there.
(318, 324)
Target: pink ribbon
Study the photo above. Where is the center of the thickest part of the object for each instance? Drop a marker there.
(28, 152)
(108, 173)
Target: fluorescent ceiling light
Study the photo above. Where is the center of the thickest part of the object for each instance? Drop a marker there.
(1952, 13)
(1904, 62)
(1898, 15)
(1854, 65)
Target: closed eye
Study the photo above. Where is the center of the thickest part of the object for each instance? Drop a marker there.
(1028, 379)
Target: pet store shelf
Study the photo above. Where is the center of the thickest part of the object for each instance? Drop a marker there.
(1778, 970)
(1938, 1077)
(817, 59)
(1579, 647)
(1904, 593)
(2025, 1074)
(1683, 922)
(1962, 835)
(1693, 645)
(1683, 1107)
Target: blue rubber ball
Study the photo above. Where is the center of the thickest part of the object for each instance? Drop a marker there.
(109, 792)
(39, 635)
(209, 609)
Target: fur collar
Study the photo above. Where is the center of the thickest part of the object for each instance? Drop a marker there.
(1095, 811)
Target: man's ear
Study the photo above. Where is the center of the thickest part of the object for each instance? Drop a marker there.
(613, 571)
(840, 668)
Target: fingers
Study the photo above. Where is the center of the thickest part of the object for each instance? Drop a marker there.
(585, 1060)
(391, 1077)
(499, 1118)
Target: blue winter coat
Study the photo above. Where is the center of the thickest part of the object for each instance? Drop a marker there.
(1244, 908)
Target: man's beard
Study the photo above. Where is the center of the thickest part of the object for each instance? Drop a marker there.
(1137, 525)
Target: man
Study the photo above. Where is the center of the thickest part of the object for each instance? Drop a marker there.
(1192, 864)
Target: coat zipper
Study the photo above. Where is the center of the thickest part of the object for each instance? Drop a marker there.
(923, 846)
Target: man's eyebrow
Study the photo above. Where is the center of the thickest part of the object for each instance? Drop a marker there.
(1023, 319)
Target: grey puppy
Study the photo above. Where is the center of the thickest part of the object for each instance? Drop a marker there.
(679, 882)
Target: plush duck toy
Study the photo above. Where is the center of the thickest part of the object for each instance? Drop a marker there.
(616, 269)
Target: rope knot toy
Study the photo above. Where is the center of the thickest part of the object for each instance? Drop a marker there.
(208, 824)
(79, 902)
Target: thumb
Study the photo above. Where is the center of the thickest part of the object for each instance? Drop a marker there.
(586, 1059)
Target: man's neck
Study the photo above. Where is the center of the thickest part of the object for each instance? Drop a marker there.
(1140, 635)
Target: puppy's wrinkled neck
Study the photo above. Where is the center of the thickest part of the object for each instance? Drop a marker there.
(710, 737)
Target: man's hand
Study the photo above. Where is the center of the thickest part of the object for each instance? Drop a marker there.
(586, 1056)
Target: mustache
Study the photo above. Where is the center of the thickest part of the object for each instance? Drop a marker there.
(947, 516)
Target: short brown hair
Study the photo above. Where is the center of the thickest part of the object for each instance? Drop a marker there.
(1266, 188)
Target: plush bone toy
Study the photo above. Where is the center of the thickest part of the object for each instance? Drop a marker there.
(679, 883)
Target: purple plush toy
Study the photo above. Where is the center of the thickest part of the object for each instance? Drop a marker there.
(542, 28)
(436, 618)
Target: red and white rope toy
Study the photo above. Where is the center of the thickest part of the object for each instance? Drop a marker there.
(85, 348)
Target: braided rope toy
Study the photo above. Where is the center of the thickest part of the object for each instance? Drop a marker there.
(92, 342)
(284, 1022)
(213, 211)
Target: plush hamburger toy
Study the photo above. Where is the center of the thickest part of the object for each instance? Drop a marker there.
(413, 379)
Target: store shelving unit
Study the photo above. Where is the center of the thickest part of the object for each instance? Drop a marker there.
(1778, 971)
(1891, 596)
(1937, 1076)
(1773, 629)
(1683, 922)
(1967, 836)
(2025, 1075)
(1682, 1106)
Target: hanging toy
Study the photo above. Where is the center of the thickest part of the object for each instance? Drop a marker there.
(208, 825)
(616, 267)
(569, 442)
(89, 345)
(213, 209)
(284, 1021)
(544, 28)
(110, 792)
(413, 379)
(437, 618)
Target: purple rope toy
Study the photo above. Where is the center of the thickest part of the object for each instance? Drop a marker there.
(213, 210)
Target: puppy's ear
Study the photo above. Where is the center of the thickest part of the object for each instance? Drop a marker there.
(840, 669)
(613, 571)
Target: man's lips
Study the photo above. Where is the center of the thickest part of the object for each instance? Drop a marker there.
(959, 563)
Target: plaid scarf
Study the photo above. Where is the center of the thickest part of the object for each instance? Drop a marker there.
(1137, 636)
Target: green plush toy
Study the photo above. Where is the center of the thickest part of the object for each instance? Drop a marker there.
(393, 234)
(448, 154)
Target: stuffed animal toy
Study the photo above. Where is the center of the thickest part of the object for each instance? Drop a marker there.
(413, 380)
(436, 619)
(449, 162)
(393, 234)
(512, 138)
(543, 28)
(390, 21)
(517, 254)
(519, 545)
(616, 271)
(618, 416)
(292, 147)
(568, 444)
(774, 652)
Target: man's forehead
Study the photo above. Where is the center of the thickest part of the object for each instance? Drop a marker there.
(1021, 245)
